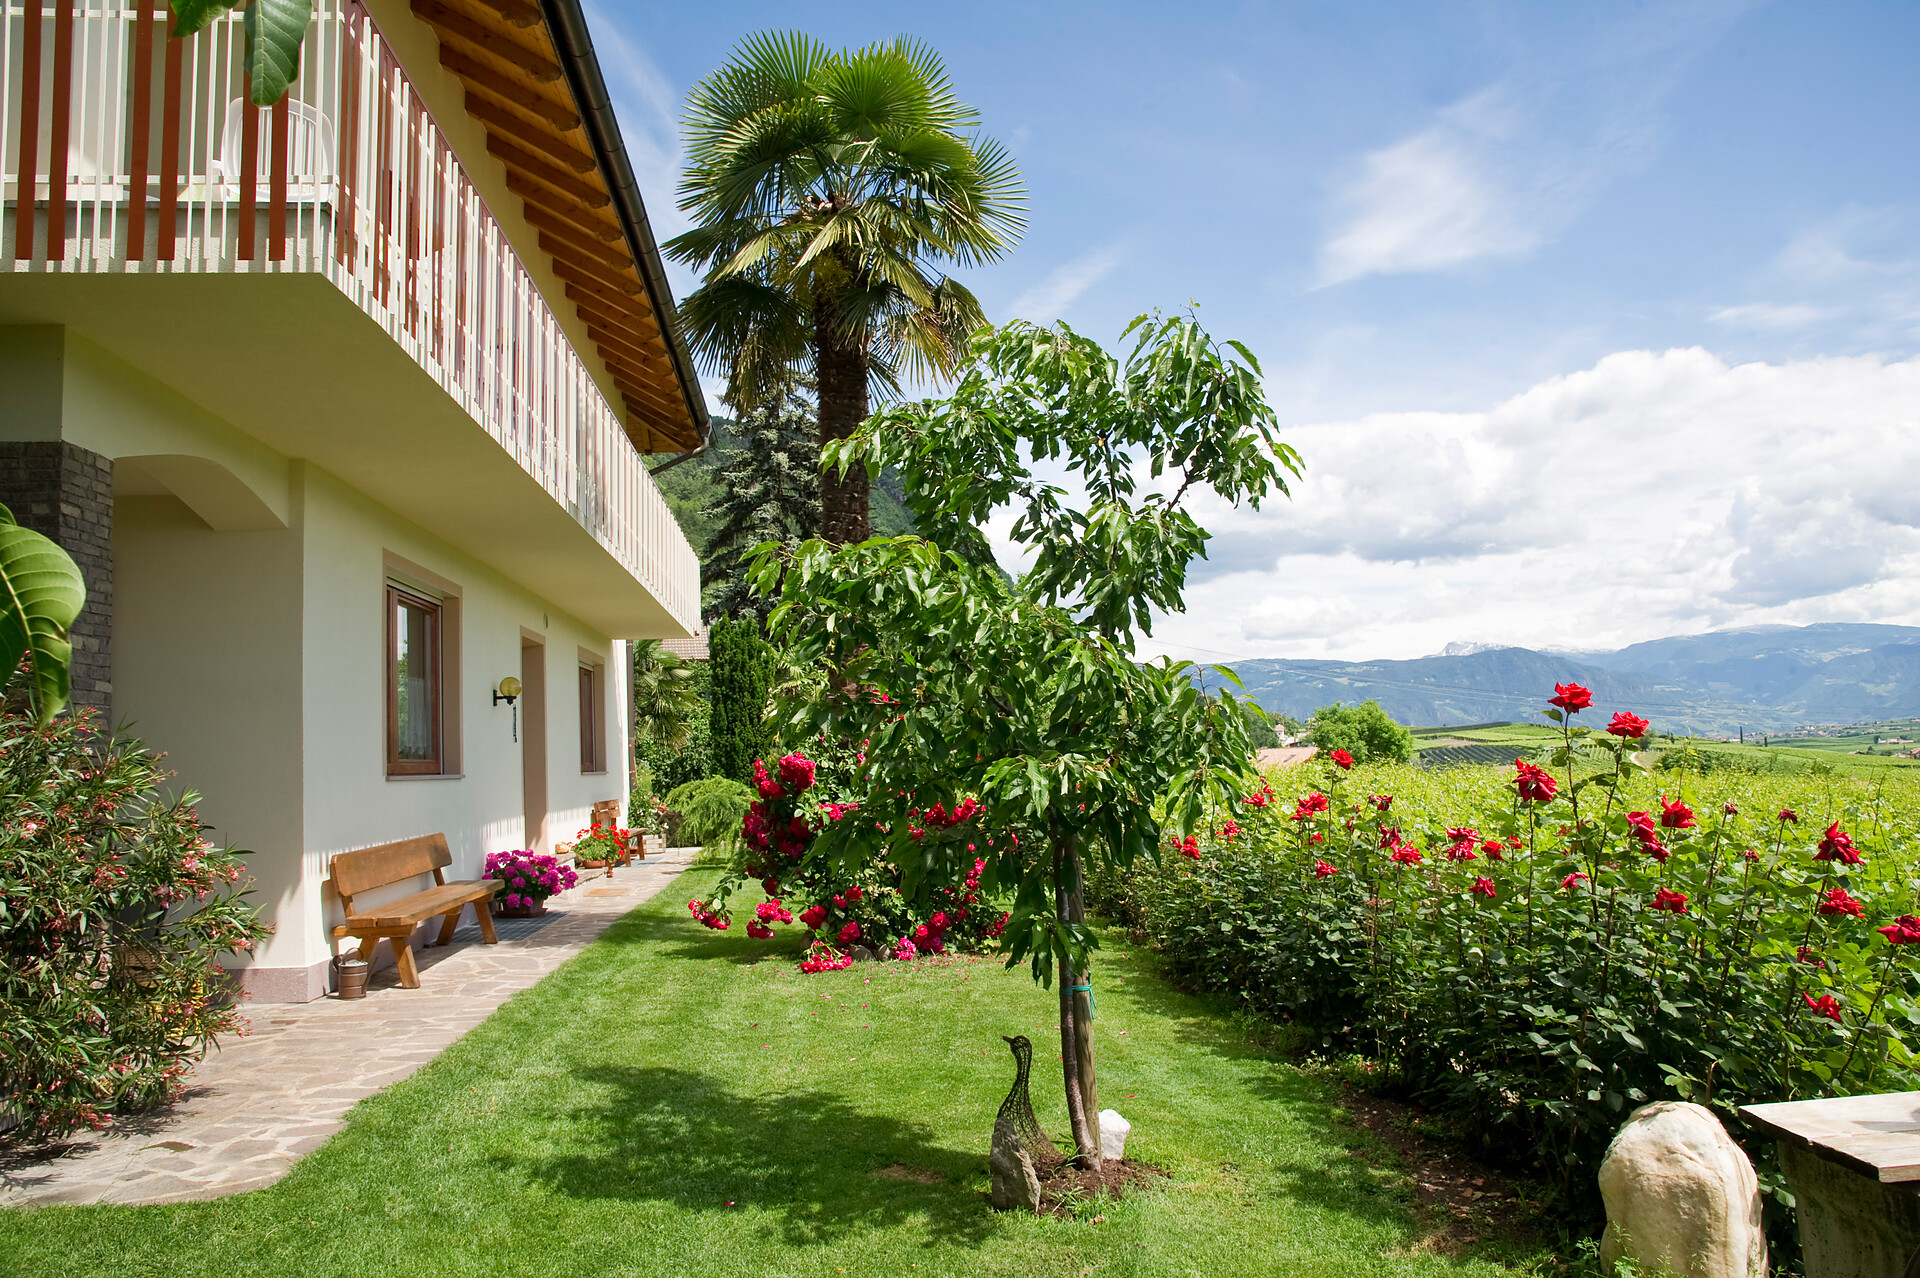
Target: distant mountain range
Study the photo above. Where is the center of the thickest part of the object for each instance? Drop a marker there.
(1761, 678)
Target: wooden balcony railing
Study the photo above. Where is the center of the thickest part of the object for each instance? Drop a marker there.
(126, 151)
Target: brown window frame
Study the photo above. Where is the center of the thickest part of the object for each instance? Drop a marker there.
(436, 611)
(593, 719)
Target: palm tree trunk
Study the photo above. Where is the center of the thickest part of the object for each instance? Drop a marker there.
(840, 365)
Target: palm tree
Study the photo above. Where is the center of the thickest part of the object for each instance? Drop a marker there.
(664, 695)
(826, 186)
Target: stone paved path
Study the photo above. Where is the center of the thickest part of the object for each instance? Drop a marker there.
(259, 1103)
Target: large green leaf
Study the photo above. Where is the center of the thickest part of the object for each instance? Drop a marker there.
(190, 16)
(41, 592)
(275, 29)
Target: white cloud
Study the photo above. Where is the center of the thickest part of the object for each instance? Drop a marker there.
(1049, 299)
(1769, 315)
(1651, 494)
(1507, 168)
(1430, 201)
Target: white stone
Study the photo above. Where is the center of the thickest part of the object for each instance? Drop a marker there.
(1113, 1135)
(1681, 1197)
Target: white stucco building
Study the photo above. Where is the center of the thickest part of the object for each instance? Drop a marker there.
(341, 405)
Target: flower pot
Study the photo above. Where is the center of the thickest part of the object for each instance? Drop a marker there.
(592, 865)
(533, 911)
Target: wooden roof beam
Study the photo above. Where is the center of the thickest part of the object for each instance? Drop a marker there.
(610, 298)
(613, 254)
(520, 129)
(546, 172)
(602, 264)
(627, 325)
(625, 347)
(604, 234)
(593, 275)
(518, 12)
(451, 22)
(478, 75)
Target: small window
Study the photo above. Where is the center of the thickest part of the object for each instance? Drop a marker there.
(413, 683)
(593, 722)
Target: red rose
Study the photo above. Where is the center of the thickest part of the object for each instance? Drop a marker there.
(1675, 815)
(1406, 854)
(1641, 826)
(1484, 886)
(1671, 902)
(1342, 760)
(1572, 880)
(1840, 901)
(1837, 845)
(814, 915)
(1570, 697)
(1630, 726)
(1788, 814)
(1322, 870)
(1904, 930)
(851, 932)
(1534, 784)
(1826, 1005)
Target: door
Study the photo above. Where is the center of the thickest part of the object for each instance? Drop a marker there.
(533, 741)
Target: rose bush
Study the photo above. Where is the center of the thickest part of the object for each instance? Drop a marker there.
(1539, 957)
(845, 903)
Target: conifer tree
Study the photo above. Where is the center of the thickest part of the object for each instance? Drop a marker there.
(770, 491)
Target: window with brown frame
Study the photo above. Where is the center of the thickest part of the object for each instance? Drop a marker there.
(593, 722)
(414, 643)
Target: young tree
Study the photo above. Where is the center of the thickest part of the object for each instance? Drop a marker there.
(1027, 697)
(827, 187)
(743, 666)
(769, 491)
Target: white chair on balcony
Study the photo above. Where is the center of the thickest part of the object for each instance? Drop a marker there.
(310, 153)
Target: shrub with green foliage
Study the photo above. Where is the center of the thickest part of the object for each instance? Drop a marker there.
(113, 910)
(710, 810)
(1536, 952)
(1363, 731)
(743, 666)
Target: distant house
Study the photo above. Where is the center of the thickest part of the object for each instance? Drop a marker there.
(1284, 756)
(693, 649)
(342, 405)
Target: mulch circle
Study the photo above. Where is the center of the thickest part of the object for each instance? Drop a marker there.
(1068, 1186)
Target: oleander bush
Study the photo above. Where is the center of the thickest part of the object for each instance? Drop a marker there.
(113, 911)
(1537, 950)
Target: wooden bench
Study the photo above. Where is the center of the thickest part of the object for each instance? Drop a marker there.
(355, 873)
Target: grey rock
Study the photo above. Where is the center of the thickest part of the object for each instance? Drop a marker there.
(1015, 1183)
(1681, 1197)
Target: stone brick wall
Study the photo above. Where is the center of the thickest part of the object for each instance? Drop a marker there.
(66, 493)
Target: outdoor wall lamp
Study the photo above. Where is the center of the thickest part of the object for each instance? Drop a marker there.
(509, 692)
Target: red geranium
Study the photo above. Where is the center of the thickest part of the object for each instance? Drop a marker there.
(1570, 697)
(1534, 784)
(1630, 726)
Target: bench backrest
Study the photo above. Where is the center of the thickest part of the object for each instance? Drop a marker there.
(606, 813)
(368, 868)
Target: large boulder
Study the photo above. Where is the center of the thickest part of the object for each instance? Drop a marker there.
(1681, 1197)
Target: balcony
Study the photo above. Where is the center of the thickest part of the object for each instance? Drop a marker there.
(141, 190)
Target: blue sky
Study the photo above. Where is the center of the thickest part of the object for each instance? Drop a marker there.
(1593, 323)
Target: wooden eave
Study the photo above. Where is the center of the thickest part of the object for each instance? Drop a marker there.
(505, 56)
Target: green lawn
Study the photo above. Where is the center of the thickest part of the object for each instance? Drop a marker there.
(678, 1101)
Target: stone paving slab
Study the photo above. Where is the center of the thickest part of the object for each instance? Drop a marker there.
(259, 1103)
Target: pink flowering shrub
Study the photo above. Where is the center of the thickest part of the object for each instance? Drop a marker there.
(114, 914)
(530, 877)
(796, 799)
(1539, 958)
